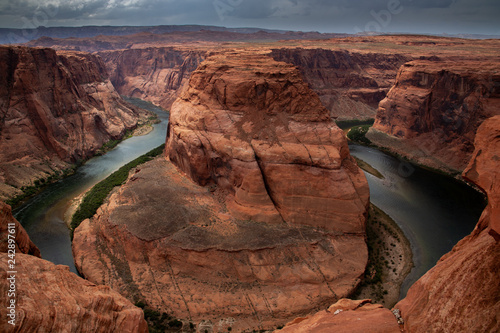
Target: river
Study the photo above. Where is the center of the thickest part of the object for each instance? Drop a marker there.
(43, 215)
(433, 211)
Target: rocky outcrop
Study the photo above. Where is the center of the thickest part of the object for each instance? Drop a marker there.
(461, 293)
(347, 316)
(252, 127)
(277, 227)
(433, 111)
(349, 84)
(49, 298)
(155, 74)
(10, 226)
(56, 109)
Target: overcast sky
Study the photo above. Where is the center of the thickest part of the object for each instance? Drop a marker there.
(350, 16)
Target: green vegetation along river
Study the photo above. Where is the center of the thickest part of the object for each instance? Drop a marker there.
(43, 215)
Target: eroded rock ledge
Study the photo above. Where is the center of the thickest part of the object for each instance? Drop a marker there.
(276, 228)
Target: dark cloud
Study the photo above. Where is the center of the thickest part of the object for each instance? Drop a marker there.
(452, 16)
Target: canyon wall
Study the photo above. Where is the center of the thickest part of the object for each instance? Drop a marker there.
(433, 111)
(56, 109)
(49, 298)
(258, 214)
(155, 74)
(349, 84)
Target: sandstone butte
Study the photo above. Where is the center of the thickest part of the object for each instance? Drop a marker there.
(57, 108)
(256, 216)
(50, 298)
(461, 293)
(433, 111)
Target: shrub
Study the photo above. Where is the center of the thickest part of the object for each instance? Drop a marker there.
(358, 134)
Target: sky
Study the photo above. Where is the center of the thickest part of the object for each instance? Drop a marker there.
(342, 16)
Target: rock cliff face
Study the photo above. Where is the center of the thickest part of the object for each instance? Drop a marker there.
(49, 298)
(56, 108)
(461, 293)
(433, 111)
(349, 84)
(251, 126)
(7, 223)
(275, 230)
(155, 74)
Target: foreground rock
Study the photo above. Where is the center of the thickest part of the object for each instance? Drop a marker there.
(276, 230)
(347, 316)
(57, 109)
(49, 298)
(9, 225)
(461, 293)
(432, 113)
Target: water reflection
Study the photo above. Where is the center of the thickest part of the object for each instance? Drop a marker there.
(433, 211)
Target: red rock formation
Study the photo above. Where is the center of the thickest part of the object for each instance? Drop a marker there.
(22, 240)
(432, 113)
(349, 84)
(153, 74)
(347, 316)
(461, 293)
(56, 108)
(251, 126)
(49, 298)
(278, 229)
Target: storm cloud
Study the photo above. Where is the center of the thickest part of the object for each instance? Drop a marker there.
(424, 16)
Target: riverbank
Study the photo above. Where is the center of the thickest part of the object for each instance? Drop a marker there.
(390, 259)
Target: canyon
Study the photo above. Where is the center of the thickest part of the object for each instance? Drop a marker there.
(228, 232)
(58, 109)
(50, 298)
(256, 213)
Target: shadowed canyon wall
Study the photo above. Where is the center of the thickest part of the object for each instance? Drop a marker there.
(56, 109)
(155, 74)
(349, 84)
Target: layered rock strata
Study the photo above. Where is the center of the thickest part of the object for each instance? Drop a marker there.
(349, 84)
(275, 230)
(49, 298)
(433, 111)
(251, 126)
(55, 109)
(347, 316)
(155, 74)
(461, 293)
